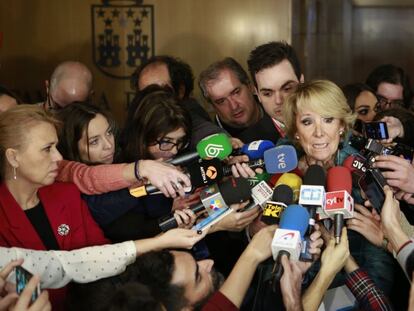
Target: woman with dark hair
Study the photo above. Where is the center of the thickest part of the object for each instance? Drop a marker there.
(87, 134)
(362, 100)
(157, 126)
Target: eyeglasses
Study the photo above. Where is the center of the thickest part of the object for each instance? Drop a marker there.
(167, 145)
(384, 103)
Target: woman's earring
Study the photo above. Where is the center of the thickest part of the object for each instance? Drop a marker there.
(297, 137)
(341, 132)
(14, 173)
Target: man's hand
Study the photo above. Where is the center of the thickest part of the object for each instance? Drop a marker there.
(166, 177)
(260, 246)
(390, 213)
(366, 223)
(236, 221)
(399, 174)
(394, 127)
(316, 243)
(334, 256)
(290, 284)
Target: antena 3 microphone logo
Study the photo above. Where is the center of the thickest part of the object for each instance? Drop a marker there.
(213, 150)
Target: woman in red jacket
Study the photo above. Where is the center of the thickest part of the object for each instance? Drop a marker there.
(36, 212)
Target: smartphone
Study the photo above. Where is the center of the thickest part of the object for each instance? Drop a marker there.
(22, 278)
(372, 183)
(376, 130)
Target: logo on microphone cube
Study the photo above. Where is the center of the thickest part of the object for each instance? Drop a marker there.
(312, 195)
(281, 162)
(261, 193)
(339, 201)
(288, 240)
(213, 150)
(359, 165)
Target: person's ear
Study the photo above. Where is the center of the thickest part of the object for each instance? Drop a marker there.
(302, 78)
(12, 157)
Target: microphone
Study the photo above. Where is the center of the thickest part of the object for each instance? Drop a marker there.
(356, 164)
(289, 236)
(293, 181)
(280, 159)
(281, 198)
(253, 181)
(201, 173)
(339, 202)
(256, 149)
(213, 146)
(312, 191)
(260, 194)
(214, 199)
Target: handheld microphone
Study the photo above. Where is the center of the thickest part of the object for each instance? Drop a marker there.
(276, 160)
(256, 149)
(339, 202)
(253, 181)
(213, 199)
(201, 173)
(261, 193)
(293, 181)
(288, 237)
(312, 191)
(213, 146)
(356, 164)
(281, 198)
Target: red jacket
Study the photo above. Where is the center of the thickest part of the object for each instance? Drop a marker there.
(69, 218)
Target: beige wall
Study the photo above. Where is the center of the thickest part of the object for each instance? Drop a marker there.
(38, 34)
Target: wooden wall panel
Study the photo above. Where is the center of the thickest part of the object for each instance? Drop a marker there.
(38, 34)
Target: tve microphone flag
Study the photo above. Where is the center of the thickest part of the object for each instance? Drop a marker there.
(280, 159)
(281, 198)
(339, 202)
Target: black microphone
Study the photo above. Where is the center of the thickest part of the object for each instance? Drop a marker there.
(231, 191)
(281, 198)
(201, 173)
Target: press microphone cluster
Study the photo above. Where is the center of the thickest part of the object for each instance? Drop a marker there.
(282, 197)
(214, 198)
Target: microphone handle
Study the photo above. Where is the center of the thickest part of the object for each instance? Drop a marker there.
(338, 225)
(184, 158)
(169, 222)
(252, 164)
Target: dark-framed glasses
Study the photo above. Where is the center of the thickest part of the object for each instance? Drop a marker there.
(384, 103)
(167, 145)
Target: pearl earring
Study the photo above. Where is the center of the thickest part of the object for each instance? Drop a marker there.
(341, 132)
(14, 173)
(297, 137)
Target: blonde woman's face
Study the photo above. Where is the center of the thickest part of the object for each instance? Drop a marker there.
(319, 136)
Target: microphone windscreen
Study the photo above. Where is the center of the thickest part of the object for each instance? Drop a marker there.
(235, 190)
(295, 217)
(314, 176)
(258, 178)
(205, 172)
(339, 178)
(280, 159)
(256, 149)
(214, 146)
(293, 181)
(283, 194)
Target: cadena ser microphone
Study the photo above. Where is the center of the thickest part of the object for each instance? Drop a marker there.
(288, 237)
(213, 146)
(339, 202)
(214, 199)
(293, 181)
(312, 191)
(282, 197)
(201, 173)
(280, 159)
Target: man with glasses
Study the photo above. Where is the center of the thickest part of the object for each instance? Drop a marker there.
(70, 82)
(392, 87)
(275, 71)
(227, 87)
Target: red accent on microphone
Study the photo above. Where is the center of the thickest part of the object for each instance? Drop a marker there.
(339, 178)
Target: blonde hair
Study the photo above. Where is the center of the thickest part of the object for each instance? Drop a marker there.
(321, 96)
(15, 123)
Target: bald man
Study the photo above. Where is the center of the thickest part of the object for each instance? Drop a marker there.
(70, 82)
